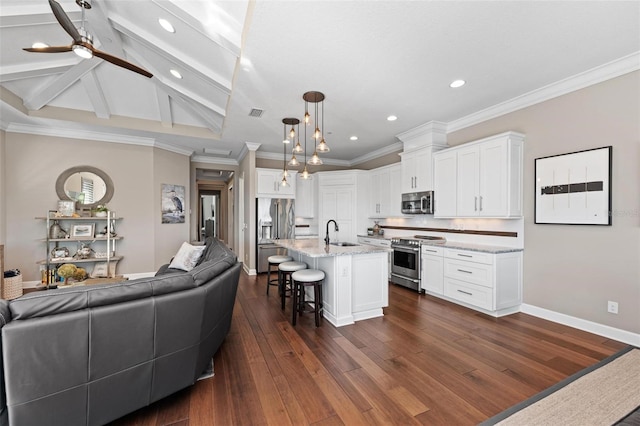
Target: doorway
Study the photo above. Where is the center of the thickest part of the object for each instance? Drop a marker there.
(209, 211)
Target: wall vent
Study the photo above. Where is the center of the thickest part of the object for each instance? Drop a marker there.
(256, 112)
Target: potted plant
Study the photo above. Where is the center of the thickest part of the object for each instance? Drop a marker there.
(100, 210)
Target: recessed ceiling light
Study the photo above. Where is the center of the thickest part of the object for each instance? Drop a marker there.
(39, 45)
(354, 138)
(175, 73)
(166, 25)
(457, 83)
(392, 118)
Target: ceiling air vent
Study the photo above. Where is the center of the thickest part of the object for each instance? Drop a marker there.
(256, 112)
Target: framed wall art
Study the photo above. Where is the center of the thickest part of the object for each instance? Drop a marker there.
(574, 188)
(172, 203)
(84, 230)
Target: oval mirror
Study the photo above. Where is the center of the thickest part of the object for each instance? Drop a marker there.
(86, 185)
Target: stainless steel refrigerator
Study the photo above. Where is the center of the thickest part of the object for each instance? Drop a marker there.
(275, 220)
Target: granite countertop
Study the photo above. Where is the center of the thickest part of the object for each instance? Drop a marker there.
(474, 247)
(315, 248)
(377, 237)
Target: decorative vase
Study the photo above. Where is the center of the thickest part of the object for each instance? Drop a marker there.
(376, 228)
(101, 214)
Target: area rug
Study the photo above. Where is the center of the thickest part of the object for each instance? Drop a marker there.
(603, 394)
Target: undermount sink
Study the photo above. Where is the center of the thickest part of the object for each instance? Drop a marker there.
(343, 244)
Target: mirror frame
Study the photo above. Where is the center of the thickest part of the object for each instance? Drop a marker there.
(62, 179)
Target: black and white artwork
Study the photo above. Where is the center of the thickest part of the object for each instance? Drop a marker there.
(172, 203)
(574, 188)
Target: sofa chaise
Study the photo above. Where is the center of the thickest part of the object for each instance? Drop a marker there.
(87, 355)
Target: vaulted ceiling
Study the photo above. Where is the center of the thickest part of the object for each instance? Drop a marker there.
(370, 59)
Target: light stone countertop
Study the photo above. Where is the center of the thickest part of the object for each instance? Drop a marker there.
(474, 247)
(315, 248)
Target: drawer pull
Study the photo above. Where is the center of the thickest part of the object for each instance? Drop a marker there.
(431, 251)
(466, 272)
(465, 255)
(465, 292)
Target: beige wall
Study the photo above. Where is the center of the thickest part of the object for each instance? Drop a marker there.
(575, 270)
(247, 168)
(173, 169)
(32, 166)
(3, 194)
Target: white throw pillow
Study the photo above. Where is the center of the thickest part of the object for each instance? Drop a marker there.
(187, 257)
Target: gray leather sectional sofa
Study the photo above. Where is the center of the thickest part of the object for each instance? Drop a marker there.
(88, 355)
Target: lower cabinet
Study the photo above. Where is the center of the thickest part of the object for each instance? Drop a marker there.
(488, 282)
(432, 277)
(379, 242)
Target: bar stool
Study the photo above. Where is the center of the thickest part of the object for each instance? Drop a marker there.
(302, 279)
(285, 270)
(275, 260)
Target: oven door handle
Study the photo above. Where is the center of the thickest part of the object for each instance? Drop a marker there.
(405, 249)
(405, 278)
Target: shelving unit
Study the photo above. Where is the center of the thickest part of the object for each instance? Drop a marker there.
(99, 222)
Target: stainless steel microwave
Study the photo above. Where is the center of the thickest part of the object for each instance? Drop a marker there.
(417, 203)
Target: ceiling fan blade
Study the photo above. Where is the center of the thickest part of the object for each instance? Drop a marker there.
(48, 49)
(121, 63)
(64, 21)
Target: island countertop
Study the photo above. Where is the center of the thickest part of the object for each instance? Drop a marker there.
(316, 248)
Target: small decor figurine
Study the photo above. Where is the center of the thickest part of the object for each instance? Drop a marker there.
(67, 271)
(84, 252)
(101, 210)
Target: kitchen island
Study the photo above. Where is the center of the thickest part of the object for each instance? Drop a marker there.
(355, 285)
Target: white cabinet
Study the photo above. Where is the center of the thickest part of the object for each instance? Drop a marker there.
(385, 192)
(306, 196)
(378, 242)
(269, 184)
(488, 282)
(432, 274)
(481, 178)
(416, 170)
(445, 183)
(342, 196)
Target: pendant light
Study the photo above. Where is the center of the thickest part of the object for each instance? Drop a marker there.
(291, 122)
(315, 98)
(305, 172)
(322, 146)
(296, 150)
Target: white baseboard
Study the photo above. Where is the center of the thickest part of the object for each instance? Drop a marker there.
(582, 324)
(249, 271)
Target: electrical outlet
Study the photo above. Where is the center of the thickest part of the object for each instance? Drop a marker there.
(612, 307)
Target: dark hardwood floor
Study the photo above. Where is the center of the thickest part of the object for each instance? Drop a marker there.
(426, 361)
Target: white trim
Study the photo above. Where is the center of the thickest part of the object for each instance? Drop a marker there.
(278, 157)
(389, 149)
(214, 160)
(582, 324)
(587, 78)
(249, 271)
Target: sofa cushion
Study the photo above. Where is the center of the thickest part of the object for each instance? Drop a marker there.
(187, 257)
(53, 302)
(209, 269)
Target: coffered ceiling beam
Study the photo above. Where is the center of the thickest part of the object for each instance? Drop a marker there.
(164, 105)
(169, 52)
(100, 28)
(210, 118)
(42, 95)
(211, 9)
(20, 71)
(96, 95)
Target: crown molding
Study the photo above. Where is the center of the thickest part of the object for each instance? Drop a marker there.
(579, 81)
(214, 160)
(389, 149)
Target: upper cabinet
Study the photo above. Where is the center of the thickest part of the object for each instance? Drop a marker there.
(385, 192)
(481, 178)
(306, 196)
(269, 184)
(416, 170)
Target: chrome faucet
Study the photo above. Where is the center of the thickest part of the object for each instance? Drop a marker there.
(326, 239)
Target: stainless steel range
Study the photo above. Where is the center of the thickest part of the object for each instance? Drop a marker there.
(405, 260)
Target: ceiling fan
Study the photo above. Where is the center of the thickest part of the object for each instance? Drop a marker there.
(82, 41)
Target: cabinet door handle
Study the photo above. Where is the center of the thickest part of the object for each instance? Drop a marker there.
(431, 251)
(464, 255)
(475, 204)
(466, 272)
(465, 292)
(481, 203)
